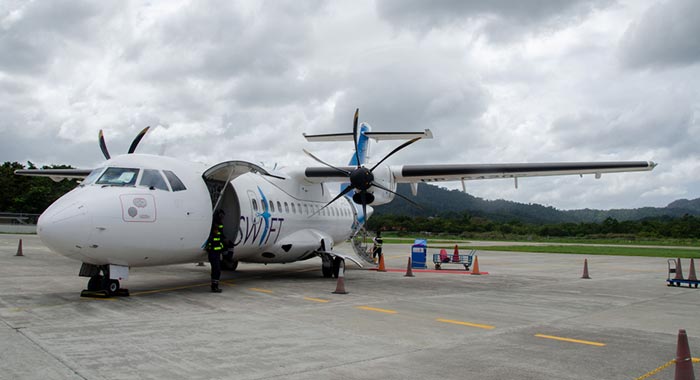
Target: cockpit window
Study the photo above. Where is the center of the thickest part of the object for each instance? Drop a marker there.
(175, 182)
(90, 179)
(119, 177)
(152, 179)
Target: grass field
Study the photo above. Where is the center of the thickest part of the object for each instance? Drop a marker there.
(592, 250)
(578, 249)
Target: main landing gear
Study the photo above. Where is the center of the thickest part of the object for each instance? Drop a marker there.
(100, 285)
(228, 263)
(330, 266)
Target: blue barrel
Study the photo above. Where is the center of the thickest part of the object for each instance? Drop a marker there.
(419, 251)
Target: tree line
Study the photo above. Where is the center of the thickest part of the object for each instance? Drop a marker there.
(30, 195)
(466, 225)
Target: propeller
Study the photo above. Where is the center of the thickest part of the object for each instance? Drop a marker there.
(362, 178)
(132, 148)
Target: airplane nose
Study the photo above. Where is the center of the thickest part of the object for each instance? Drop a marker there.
(65, 228)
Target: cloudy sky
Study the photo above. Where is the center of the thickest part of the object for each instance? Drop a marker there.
(496, 81)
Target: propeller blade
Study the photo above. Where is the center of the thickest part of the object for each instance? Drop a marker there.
(325, 163)
(407, 143)
(137, 140)
(347, 190)
(375, 184)
(354, 135)
(103, 146)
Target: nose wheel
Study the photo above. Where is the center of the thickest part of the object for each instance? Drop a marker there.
(101, 286)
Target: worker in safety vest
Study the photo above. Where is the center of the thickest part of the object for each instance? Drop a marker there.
(377, 248)
(215, 247)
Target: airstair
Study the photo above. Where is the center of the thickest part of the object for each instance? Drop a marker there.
(362, 245)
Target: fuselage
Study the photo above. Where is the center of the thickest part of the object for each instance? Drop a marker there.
(142, 210)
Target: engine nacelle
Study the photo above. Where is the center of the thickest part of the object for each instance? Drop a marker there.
(382, 176)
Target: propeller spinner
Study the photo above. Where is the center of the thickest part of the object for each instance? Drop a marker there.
(362, 178)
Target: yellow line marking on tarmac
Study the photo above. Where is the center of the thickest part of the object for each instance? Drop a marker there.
(396, 256)
(487, 327)
(316, 299)
(261, 290)
(661, 368)
(377, 309)
(571, 340)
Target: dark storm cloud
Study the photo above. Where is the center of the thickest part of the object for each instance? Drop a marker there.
(502, 19)
(666, 35)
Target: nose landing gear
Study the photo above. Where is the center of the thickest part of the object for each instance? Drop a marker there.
(100, 285)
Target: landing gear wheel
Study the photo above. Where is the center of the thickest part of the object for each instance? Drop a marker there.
(95, 283)
(336, 266)
(228, 263)
(112, 287)
(327, 266)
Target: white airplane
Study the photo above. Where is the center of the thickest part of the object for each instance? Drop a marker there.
(138, 210)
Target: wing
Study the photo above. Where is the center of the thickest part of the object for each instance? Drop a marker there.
(439, 173)
(55, 174)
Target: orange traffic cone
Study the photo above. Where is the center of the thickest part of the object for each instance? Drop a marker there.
(585, 270)
(475, 269)
(679, 270)
(691, 275)
(409, 270)
(19, 249)
(684, 362)
(340, 286)
(381, 268)
(455, 255)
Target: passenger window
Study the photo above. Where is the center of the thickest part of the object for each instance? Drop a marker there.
(175, 182)
(299, 207)
(279, 206)
(119, 177)
(306, 209)
(286, 207)
(255, 205)
(294, 210)
(153, 180)
(272, 206)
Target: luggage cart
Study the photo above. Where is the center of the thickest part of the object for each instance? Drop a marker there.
(465, 260)
(672, 270)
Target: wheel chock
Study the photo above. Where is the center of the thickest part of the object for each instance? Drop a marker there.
(95, 293)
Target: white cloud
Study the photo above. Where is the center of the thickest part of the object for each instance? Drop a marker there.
(500, 81)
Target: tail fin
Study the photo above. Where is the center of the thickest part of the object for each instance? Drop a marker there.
(365, 133)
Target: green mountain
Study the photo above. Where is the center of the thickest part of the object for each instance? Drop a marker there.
(437, 201)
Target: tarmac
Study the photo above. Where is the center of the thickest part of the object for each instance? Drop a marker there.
(531, 317)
